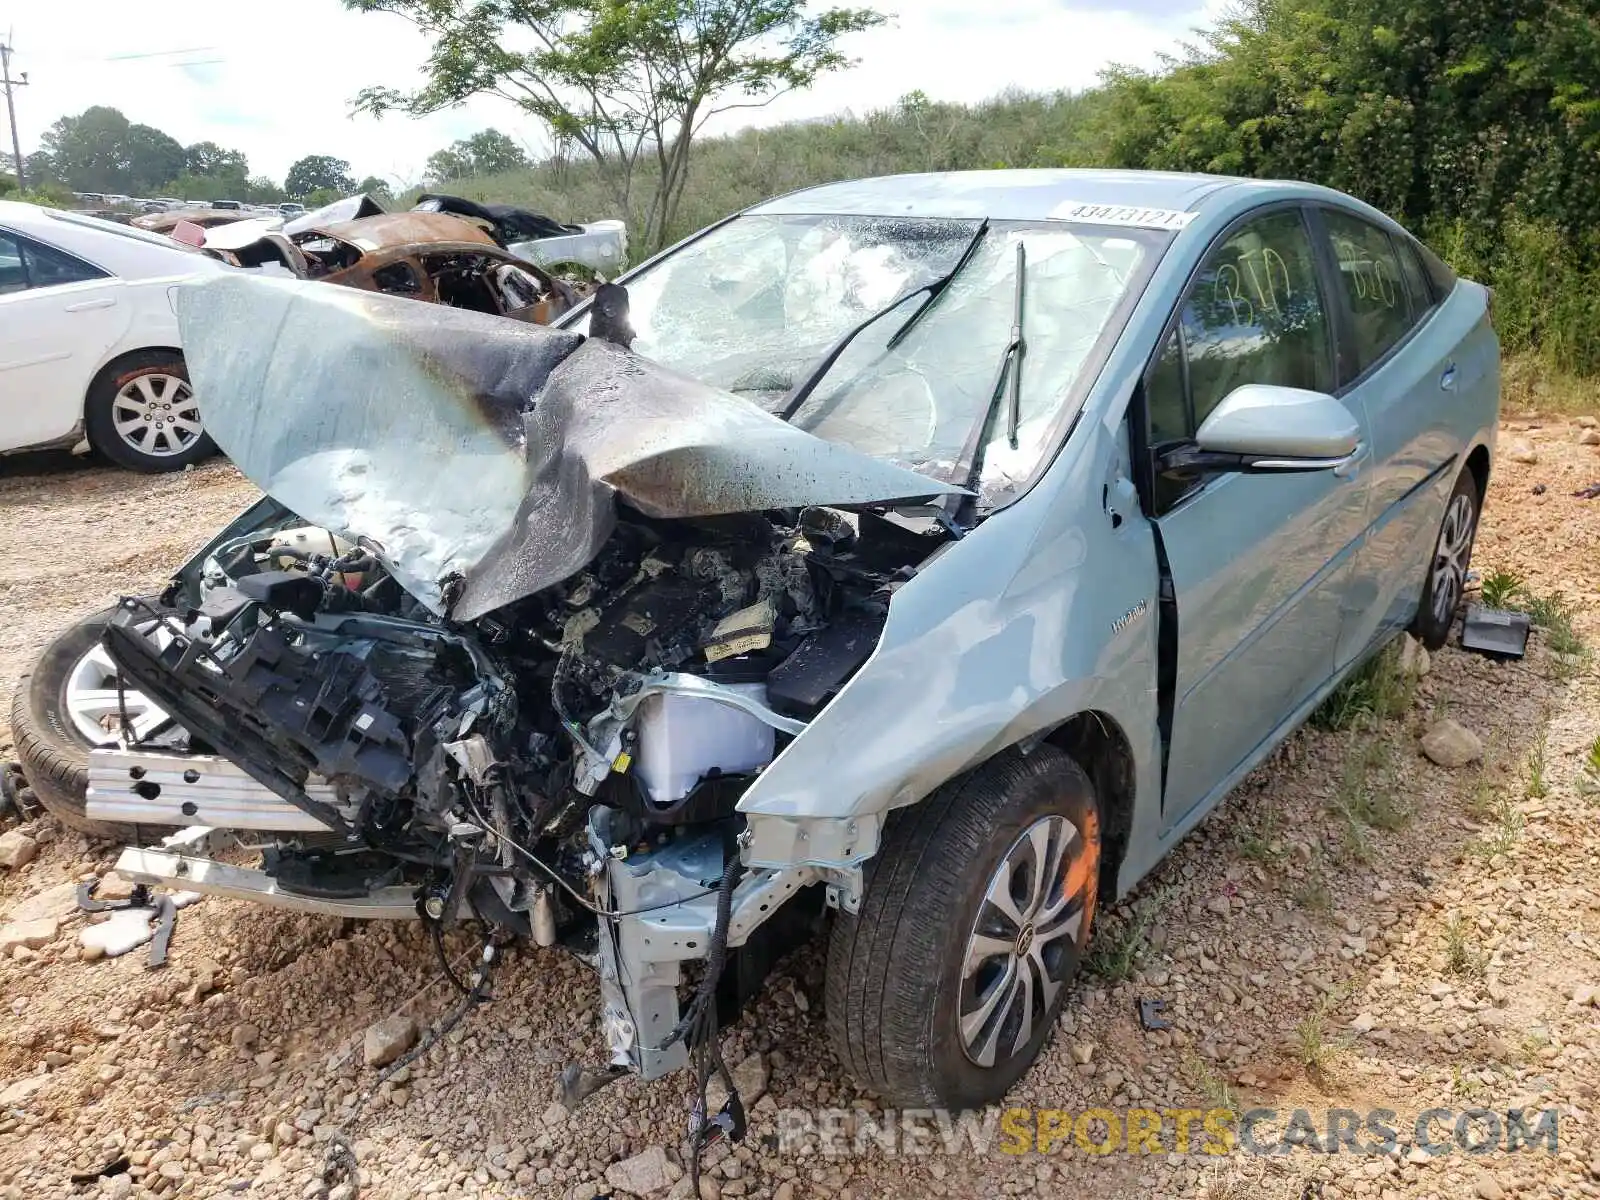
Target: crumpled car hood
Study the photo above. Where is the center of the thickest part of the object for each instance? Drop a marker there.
(481, 458)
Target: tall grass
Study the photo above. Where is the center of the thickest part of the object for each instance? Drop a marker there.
(1546, 289)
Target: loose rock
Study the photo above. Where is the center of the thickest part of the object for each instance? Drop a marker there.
(389, 1039)
(17, 849)
(34, 934)
(1451, 744)
(643, 1174)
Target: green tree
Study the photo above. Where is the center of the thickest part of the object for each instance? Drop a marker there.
(487, 152)
(373, 185)
(318, 172)
(621, 79)
(449, 164)
(100, 150)
(258, 189)
(1470, 110)
(208, 158)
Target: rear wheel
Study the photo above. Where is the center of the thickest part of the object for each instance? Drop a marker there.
(141, 413)
(1447, 569)
(975, 916)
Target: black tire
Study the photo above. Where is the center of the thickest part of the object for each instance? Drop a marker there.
(1436, 613)
(100, 420)
(895, 988)
(55, 756)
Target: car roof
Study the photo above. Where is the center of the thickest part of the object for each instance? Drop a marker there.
(1003, 195)
(124, 250)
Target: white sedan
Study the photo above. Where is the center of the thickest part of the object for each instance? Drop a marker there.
(89, 350)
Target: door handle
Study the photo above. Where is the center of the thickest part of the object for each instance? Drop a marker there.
(1448, 380)
(87, 305)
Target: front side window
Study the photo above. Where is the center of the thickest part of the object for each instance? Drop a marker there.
(1373, 287)
(755, 305)
(1255, 315)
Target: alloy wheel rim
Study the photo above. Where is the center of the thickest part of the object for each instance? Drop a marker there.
(1450, 559)
(1021, 944)
(94, 706)
(157, 414)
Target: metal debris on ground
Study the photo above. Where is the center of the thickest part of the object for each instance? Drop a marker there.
(1496, 632)
(122, 933)
(1150, 1011)
(1588, 493)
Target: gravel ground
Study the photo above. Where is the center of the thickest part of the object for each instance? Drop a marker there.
(1437, 947)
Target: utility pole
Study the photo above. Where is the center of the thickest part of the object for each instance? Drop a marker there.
(11, 109)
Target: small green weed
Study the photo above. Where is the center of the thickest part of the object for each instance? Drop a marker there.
(1499, 588)
(1538, 786)
(1117, 948)
(1460, 957)
(1372, 693)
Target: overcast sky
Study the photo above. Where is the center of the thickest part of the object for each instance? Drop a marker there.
(275, 79)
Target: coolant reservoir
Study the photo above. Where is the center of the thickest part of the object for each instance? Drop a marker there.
(682, 739)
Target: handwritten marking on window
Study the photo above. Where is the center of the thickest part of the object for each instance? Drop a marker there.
(1374, 279)
(1257, 281)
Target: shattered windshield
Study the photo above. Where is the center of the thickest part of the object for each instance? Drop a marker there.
(752, 307)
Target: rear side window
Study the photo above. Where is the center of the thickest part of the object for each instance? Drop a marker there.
(1255, 315)
(48, 267)
(12, 277)
(1423, 297)
(1369, 275)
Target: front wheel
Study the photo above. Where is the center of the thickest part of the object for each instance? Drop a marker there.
(1447, 569)
(70, 704)
(975, 916)
(142, 414)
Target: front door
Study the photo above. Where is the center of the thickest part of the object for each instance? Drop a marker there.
(1256, 561)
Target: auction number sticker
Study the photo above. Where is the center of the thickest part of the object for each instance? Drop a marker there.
(1125, 214)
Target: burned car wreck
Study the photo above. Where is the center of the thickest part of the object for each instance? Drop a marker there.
(533, 689)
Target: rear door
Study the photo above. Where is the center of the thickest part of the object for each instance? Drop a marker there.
(59, 315)
(1256, 561)
(1408, 362)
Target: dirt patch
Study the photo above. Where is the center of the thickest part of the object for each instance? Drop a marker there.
(1355, 929)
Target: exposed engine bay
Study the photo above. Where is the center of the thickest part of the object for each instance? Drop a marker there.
(465, 758)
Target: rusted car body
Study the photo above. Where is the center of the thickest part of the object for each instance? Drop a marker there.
(206, 218)
(433, 257)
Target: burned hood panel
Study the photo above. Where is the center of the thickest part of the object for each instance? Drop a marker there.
(471, 448)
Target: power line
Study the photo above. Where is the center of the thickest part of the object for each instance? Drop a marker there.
(158, 54)
(6, 52)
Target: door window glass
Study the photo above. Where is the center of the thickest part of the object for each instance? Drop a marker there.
(48, 267)
(1255, 315)
(1416, 279)
(12, 276)
(1369, 275)
(1165, 396)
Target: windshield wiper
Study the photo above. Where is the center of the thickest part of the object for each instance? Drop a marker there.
(937, 287)
(934, 288)
(1007, 383)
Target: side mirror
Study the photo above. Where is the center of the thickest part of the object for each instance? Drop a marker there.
(1264, 428)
